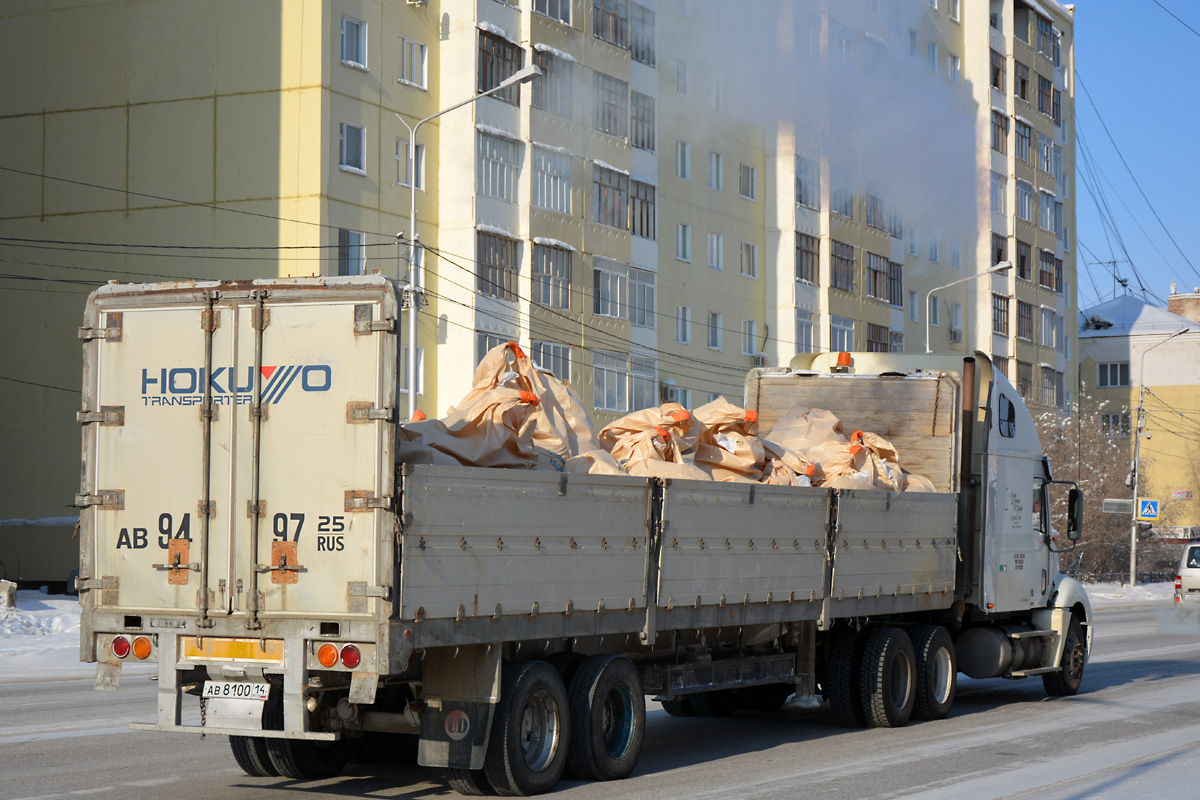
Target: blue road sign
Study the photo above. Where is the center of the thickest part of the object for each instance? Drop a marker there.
(1147, 510)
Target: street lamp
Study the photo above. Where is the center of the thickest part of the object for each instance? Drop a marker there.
(1001, 267)
(415, 289)
(1137, 452)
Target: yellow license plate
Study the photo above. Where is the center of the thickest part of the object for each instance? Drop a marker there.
(221, 649)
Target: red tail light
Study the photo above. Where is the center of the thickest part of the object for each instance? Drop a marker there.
(120, 647)
(1178, 582)
(351, 657)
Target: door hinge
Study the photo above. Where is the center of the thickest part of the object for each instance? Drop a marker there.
(112, 500)
(107, 415)
(365, 411)
(112, 333)
(258, 509)
(210, 320)
(364, 325)
(260, 318)
(364, 501)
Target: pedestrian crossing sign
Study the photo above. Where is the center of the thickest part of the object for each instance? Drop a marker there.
(1147, 510)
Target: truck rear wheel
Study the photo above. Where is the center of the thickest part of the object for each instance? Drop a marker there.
(469, 782)
(527, 749)
(608, 719)
(720, 703)
(301, 759)
(1066, 682)
(842, 684)
(679, 707)
(937, 672)
(385, 749)
(250, 753)
(888, 678)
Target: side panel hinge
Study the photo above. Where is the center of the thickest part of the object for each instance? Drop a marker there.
(364, 325)
(365, 411)
(364, 501)
(112, 333)
(107, 415)
(111, 500)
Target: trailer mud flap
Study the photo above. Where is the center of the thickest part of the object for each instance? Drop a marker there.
(461, 688)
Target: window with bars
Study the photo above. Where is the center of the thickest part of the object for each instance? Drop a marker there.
(878, 340)
(1045, 35)
(642, 203)
(497, 167)
(1021, 80)
(496, 264)
(1024, 142)
(895, 284)
(1000, 314)
(1046, 272)
(807, 258)
(999, 70)
(610, 21)
(1001, 364)
(841, 334)
(610, 381)
(610, 197)
(610, 109)
(641, 23)
(999, 132)
(1058, 275)
(1025, 379)
(1056, 107)
(642, 133)
(551, 276)
(499, 59)
(876, 276)
(1049, 387)
(643, 374)
(1024, 321)
(749, 259)
(841, 265)
(1024, 261)
(1045, 98)
(552, 89)
(610, 289)
(641, 297)
(551, 179)
(748, 181)
(553, 357)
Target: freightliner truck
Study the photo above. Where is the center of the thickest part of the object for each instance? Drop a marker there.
(246, 526)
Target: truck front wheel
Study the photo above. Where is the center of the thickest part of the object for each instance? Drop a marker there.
(608, 718)
(1066, 681)
(527, 749)
(888, 678)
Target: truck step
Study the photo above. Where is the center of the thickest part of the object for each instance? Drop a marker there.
(1025, 673)
(1032, 634)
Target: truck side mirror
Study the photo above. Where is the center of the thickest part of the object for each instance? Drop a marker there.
(1075, 515)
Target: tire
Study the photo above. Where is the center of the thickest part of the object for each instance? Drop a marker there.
(385, 749)
(679, 707)
(527, 749)
(608, 719)
(713, 704)
(567, 663)
(842, 685)
(469, 782)
(302, 759)
(770, 697)
(937, 672)
(250, 753)
(1065, 682)
(888, 678)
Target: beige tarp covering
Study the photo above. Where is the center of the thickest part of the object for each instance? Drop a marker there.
(519, 416)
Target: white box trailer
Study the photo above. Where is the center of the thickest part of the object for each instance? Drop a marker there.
(245, 524)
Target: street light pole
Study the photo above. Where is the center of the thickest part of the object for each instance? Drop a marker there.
(414, 289)
(1001, 267)
(1137, 453)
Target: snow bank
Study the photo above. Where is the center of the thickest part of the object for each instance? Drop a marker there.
(1116, 594)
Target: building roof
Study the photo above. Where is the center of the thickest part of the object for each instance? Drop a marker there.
(1129, 316)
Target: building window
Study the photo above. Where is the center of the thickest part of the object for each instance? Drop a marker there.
(551, 276)
(716, 251)
(876, 276)
(641, 297)
(1045, 98)
(555, 9)
(1024, 321)
(610, 21)
(807, 255)
(402, 164)
(1058, 274)
(642, 34)
(749, 260)
(498, 166)
(352, 148)
(748, 181)
(933, 57)
(808, 182)
(805, 342)
(1115, 425)
(643, 374)
(610, 379)
(841, 266)
(955, 68)
(1046, 211)
(1049, 328)
(354, 43)
(497, 260)
(352, 253)
(643, 121)
(933, 246)
(716, 176)
(841, 334)
(683, 325)
(841, 192)
(551, 179)
(1000, 314)
(749, 337)
(1024, 201)
(683, 242)
(1021, 81)
(642, 204)
(499, 59)
(681, 78)
(552, 89)
(912, 240)
(1045, 153)
(1056, 107)
(413, 63)
(1045, 35)
(914, 307)
(555, 358)
(956, 255)
(878, 340)
(1024, 259)
(485, 342)
(935, 311)
(895, 284)
(683, 160)
(999, 193)
(874, 209)
(1024, 142)
(610, 197)
(715, 331)
(1049, 387)
(1024, 379)
(999, 70)
(999, 132)
(1046, 271)
(610, 289)
(1114, 373)
(999, 248)
(610, 109)
(896, 341)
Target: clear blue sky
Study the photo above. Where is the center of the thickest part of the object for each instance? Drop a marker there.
(1141, 68)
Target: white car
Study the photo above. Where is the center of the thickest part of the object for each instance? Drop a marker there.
(1187, 581)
